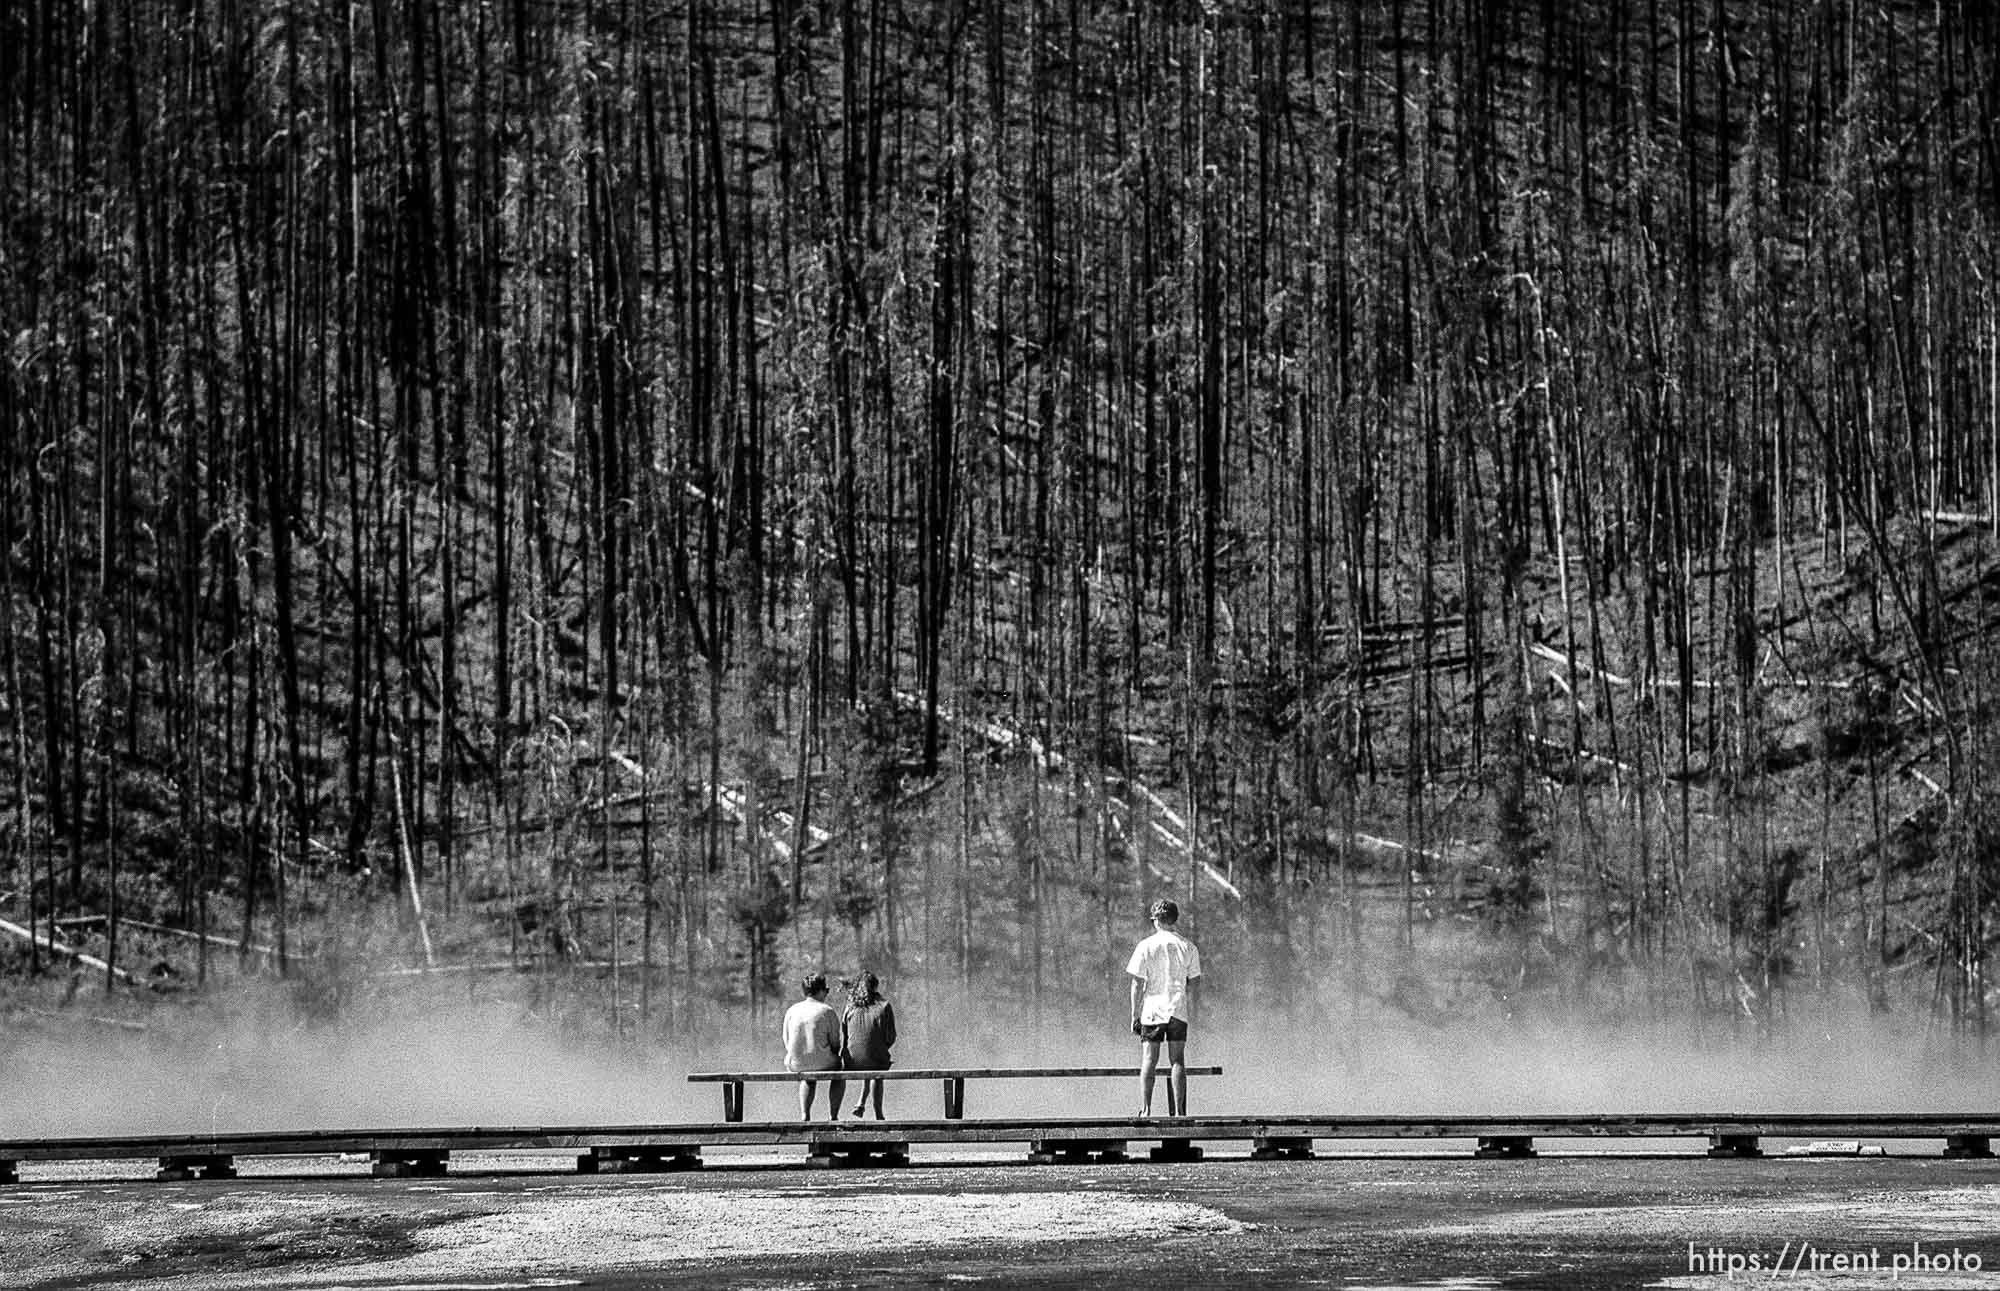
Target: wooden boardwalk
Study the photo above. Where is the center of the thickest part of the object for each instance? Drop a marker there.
(393, 1153)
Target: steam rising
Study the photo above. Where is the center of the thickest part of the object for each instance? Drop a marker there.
(246, 1066)
(436, 1058)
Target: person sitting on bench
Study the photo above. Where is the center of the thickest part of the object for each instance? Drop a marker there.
(812, 1043)
(868, 1032)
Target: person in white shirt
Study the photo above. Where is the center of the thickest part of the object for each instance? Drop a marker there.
(1163, 969)
(812, 1043)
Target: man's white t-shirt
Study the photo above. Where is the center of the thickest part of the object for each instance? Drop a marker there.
(812, 1037)
(1165, 962)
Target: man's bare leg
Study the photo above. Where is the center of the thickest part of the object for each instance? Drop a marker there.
(834, 1090)
(806, 1100)
(1177, 1073)
(1149, 1064)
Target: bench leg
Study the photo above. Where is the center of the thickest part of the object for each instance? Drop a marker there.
(8, 1172)
(1968, 1147)
(732, 1100)
(954, 1099)
(1734, 1145)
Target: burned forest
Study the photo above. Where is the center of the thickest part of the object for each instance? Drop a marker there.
(612, 505)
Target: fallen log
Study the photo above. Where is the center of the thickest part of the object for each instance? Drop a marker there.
(55, 947)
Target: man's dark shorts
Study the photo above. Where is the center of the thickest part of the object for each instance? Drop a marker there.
(1174, 1029)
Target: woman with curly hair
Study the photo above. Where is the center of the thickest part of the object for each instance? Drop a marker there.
(867, 1033)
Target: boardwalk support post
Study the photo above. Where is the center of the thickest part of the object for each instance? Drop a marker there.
(1504, 1146)
(1281, 1148)
(640, 1160)
(8, 1173)
(179, 1169)
(832, 1153)
(1075, 1151)
(410, 1163)
(1177, 1150)
(1734, 1145)
(1968, 1147)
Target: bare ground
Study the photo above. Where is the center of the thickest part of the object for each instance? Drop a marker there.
(1438, 1221)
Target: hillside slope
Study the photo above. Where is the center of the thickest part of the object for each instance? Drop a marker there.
(1492, 505)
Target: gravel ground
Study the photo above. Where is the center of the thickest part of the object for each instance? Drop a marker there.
(1434, 1221)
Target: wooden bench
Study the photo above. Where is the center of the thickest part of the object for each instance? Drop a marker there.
(953, 1079)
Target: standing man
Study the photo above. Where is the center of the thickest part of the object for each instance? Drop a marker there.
(1163, 969)
(812, 1043)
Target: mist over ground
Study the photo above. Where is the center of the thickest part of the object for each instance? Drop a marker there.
(431, 1055)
